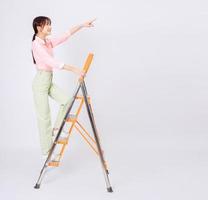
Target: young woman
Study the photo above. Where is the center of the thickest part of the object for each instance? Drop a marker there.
(43, 86)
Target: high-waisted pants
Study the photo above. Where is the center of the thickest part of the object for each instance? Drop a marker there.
(43, 87)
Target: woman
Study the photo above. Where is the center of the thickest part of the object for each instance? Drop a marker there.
(43, 86)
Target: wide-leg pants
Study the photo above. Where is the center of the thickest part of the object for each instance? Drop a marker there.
(43, 87)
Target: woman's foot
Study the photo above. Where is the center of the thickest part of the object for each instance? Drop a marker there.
(54, 157)
(44, 157)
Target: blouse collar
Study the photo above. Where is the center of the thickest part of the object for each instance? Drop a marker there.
(40, 40)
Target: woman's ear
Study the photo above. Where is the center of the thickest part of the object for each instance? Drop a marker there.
(40, 28)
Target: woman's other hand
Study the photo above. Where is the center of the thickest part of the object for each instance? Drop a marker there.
(89, 23)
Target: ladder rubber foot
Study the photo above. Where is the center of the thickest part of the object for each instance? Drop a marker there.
(37, 186)
(110, 189)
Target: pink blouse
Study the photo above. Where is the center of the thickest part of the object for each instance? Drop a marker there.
(43, 52)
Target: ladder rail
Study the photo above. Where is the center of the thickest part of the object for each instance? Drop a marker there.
(92, 122)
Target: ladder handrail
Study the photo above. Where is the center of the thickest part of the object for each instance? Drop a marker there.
(88, 62)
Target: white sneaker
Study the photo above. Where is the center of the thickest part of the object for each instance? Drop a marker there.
(44, 157)
(55, 131)
(55, 157)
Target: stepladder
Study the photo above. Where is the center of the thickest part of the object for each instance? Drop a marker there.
(71, 121)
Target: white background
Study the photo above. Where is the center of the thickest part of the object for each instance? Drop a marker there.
(149, 87)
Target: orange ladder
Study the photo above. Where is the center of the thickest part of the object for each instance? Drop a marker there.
(72, 121)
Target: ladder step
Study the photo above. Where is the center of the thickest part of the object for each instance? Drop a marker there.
(81, 97)
(53, 163)
(71, 118)
(62, 140)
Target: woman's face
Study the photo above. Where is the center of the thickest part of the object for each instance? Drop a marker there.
(46, 29)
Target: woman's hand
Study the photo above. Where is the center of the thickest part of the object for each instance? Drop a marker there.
(89, 23)
(80, 72)
(79, 27)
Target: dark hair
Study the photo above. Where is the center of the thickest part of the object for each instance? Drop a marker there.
(39, 21)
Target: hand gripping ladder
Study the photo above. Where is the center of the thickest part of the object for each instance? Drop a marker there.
(72, 121)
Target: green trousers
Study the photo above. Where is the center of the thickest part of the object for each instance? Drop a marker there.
(43, 87)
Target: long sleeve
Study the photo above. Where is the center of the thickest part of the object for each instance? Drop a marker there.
(42, 57)
(59, 39)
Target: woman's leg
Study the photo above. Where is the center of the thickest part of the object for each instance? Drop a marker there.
(41, 85)
(59, 96)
